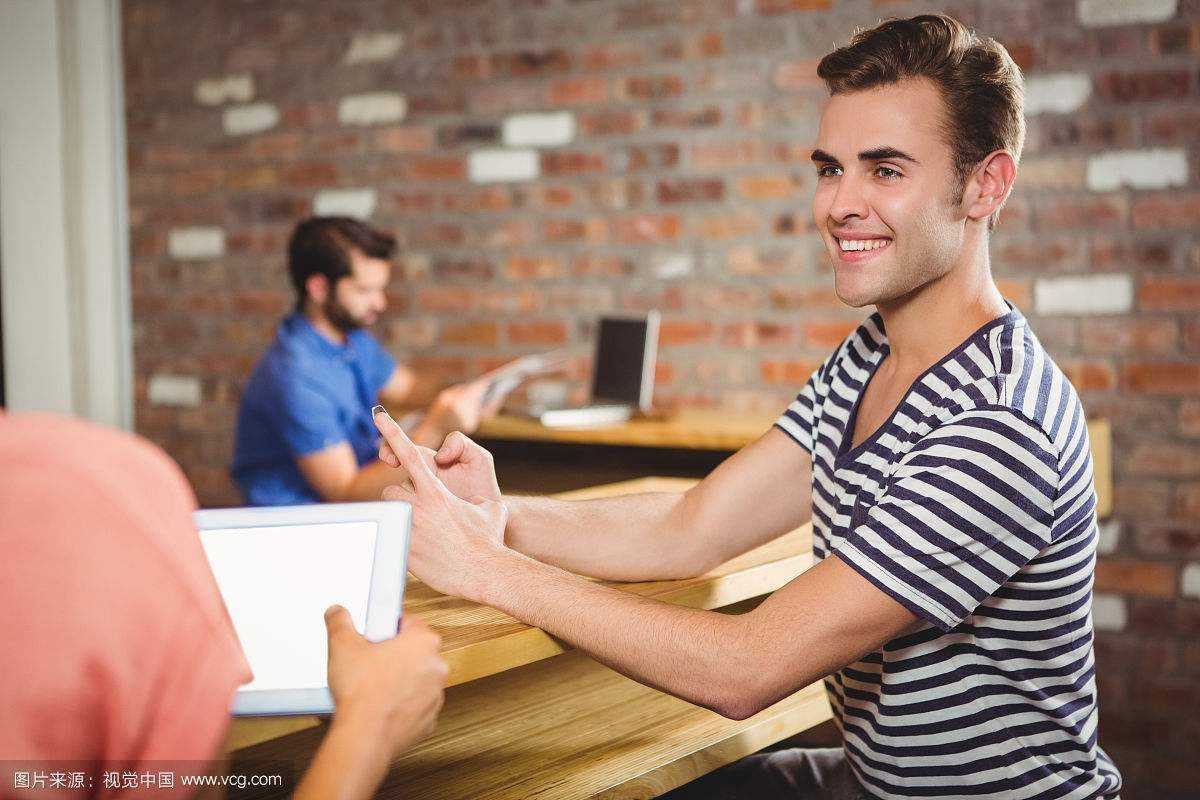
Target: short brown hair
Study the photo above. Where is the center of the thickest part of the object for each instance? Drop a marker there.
(981, 86)
(322, 245)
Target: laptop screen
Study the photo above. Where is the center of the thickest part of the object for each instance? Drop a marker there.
(620, 359)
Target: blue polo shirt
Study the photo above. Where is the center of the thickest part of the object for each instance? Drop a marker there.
(307, 393)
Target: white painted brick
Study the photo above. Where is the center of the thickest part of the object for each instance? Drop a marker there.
(494, 165)
(240, 120)
(1109, 612)
(672, 265)
(1110, 537)
(345, 202)
(1056, 92)
(378, 46)
(1097, 13)
(1157, 168)
(192, 244)
(174, 390)
(372, 108)
(1190, 584)
(1084, 294)
(228, 89)
(539, 130)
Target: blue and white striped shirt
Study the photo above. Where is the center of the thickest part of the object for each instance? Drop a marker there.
(973, 506)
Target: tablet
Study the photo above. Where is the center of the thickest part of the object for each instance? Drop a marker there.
(278, 569)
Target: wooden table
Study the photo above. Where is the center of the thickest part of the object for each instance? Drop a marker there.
(527, 717)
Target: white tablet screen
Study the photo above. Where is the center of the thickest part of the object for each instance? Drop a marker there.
(277, 582)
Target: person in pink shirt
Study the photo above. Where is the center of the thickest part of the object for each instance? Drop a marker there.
(118, 653)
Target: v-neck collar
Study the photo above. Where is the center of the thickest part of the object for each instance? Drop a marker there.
(846, 453)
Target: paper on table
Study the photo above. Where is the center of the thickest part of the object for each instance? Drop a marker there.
(503, 380)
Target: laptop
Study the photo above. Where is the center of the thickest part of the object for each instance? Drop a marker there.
(622, 377)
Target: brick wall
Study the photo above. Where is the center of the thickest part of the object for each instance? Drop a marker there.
(543, 162)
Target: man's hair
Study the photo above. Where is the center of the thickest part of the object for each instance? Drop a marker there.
(322, 245)
(980, 85)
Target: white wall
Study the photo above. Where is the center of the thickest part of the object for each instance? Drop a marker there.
(63, 231)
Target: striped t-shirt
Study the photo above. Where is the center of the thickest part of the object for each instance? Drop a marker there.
(973, 506)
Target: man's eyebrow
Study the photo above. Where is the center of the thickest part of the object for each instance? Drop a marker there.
(821, 157)
(885, 153)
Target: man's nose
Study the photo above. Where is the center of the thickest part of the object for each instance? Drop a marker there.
(849, 200)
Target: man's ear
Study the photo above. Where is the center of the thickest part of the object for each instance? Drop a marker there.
(989, 185)
(317, 287)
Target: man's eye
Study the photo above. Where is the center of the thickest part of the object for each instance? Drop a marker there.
(887, 172)
(828, 171)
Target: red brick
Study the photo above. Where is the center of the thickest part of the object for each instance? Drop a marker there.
(438, 233)
(200, 180)
(686, 190)
(519, 300)
(793, 75)
(1162, 377)
(769, 187)
(1163, 459)
(549, 333)
(1018, 290)
(1140, 578)
(606, 266)
(1176, 126)
(310, 174)
(786, 6)
(1167, 210)
(646, 228)
(651, 87)
(1133, 87)
(727, 298)
(491, 198)
(481, 333)
(1188, 502)
(525, 63)
(826, 334)
(577, 91)
(729, 225)
(404, 139)
(617, 55)
(1178, 538)
(560, 162)
(526, 268)
(725, 155)
(757, 334)
(513, 233)
(265, 302)
(611, 123)
(1056, 213)
(703, 117)
(1141, 498)
(1189, 418)
(1110, 336)
(448, 299)
(651, 156)
(790, 372)
(1090, 376)
(683, 332)
(261, 176)
(1169, 294)
(553, 196)
(593, 230)
(436, 168)
(805, 298)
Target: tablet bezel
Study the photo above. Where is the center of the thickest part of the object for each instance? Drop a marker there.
(384, 601)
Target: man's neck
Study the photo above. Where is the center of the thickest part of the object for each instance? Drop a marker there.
(323, 325)
(926, 324)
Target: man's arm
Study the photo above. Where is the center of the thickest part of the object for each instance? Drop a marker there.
(760, 492)
(735, 665)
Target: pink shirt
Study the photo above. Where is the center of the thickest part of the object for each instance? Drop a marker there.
(117, 650)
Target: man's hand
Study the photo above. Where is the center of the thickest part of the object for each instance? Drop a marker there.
(453, 537)
(463, 466)
(460, 407)
(392, 689)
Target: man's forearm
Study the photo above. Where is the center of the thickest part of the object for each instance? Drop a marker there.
(349, 764)
(685, 652)
(628, 538)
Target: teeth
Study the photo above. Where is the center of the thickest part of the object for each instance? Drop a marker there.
(863, 244)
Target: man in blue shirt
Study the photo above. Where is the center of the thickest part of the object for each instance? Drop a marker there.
(304, 429)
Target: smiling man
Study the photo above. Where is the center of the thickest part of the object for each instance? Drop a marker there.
(940, 453)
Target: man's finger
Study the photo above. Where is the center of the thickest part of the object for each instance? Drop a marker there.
(338, 621)
(398, 492)
(404, 449)
(454, 448)
(387, 456)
